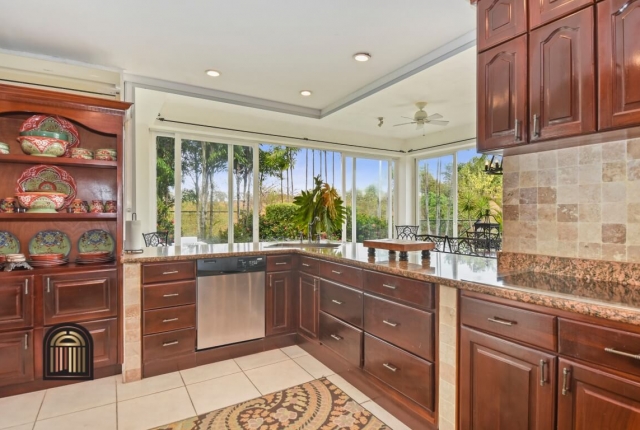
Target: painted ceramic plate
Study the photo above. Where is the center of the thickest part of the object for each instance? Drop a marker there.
(50, 242)
(96, 240)
(48, 178)
(54, 124)
(9, 244)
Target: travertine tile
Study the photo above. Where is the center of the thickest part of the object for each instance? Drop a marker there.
(547, 160)
(614, 213)
(567, 194)
(512, 163)
(614, 172)
(633, 213)
(614, 191)
(614, 252)
(590, 232)
(548, 178)
(448, 297)
(568, 175)
(547, 212)
(528, 162)
(633, 234)
(590, 174)
(528, 196)
(614, 233)
(633, 170)
(511, 180)
(568, 157)
(589, 250)
(590, 154)
(590, 193)
(448, 316)
(567, 213)
(633, 149)
(511, 212)
(448, 373)
(547, 195)
(529, 179)
(568, 231)
(547, 231)
(614, 151)
(448, 335)
(633, 254)
(589, 213)
(528, 212)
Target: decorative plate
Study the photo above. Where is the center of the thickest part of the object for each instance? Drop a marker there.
(9, 244)
(50, 242)
(54, 124)
(48, 178)
(96, 240)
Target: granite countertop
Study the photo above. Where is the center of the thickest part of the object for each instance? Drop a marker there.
(606, 299)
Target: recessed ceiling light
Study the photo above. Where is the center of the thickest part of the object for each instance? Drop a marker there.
(305, 93)
(362, 56)
(213, 73)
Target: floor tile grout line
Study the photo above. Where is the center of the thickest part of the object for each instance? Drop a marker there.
(116, 388)
(40, 408)
(78, 411)
(188, 393)
(254, 385)
(210, 379)
(264, 365)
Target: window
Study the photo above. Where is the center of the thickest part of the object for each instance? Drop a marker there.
(165, 185)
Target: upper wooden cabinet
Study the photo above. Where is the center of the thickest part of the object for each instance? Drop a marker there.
(500, 20)
(618, 63)
(502, 95)
(562, 78)
(545, 11)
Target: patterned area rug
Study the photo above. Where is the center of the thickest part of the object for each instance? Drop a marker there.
(316, 405)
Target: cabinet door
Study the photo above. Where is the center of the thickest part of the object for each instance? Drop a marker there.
(589, 399)
(544, 11)
(105, 341)
(16, 302)
(83, 296)
(618, 64)
(308, 306)
(504, 385)
(502, 95)
(16, 357)
(562, 83)
(279, 303)
(500, 20)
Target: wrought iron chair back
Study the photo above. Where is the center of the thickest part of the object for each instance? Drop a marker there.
(409, 232)
(156, 238)
(482, 247)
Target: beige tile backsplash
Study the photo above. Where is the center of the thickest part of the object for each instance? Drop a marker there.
(576, 202)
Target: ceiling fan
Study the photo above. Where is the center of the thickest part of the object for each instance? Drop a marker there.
(421, 118)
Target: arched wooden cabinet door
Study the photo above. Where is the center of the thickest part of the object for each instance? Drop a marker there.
(562, 78)
(544, 11)
(618, 63)
(502, 95)
(500, 20)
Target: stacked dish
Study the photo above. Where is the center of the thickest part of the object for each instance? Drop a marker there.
(48, 260)
(95, 257)
(15, 258)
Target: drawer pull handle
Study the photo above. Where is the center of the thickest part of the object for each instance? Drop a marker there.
(26, 341)
(336, 272)
(543, 364)
(390, 367)
(26, 287)
(175, 342)
(536, 126)
(170, 320)
(622, 353)
(336, 337)
(281, 264)
(517, 130)
(171, 295)
(306, 265)
(392, 287)
(173, 272)
(389, 323)
(48, 285)
(337, 302)
(565, 381)
(501, 321)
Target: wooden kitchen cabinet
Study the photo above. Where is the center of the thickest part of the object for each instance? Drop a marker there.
(618, 64)
(589, 399)
(544, 11)
(73, 297)
(502, 96)
(16, 357)
(499, 21)
(16, 302)
(308, 305)
(505, 385)
(279, 303)
(562, 77)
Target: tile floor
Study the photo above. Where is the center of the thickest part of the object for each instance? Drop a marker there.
(108, 404)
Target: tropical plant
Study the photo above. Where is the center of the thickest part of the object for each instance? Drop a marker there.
(322, 202)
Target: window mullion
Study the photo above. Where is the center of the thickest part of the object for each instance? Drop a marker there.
(177, 186)
(230, 236)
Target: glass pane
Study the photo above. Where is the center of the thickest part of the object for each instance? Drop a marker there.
(435, 196)
(349, 196)
(243, 198)
(165, 185)
(204, 192)
(372, 188)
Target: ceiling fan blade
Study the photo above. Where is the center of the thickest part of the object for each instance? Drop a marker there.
(419, 125)
(438, 122)
(406, 123)
(434, 116)
(406, 117)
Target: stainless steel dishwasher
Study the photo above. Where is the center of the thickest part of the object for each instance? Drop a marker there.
(231, 301)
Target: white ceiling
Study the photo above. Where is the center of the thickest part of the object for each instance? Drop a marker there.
(265, 49)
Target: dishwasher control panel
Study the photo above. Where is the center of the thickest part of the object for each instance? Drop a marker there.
(227, 265)
(251, 263)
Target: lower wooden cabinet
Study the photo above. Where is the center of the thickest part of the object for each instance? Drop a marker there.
(105, 341)
(16, 303)
(16, 357)
(504, 385)
(589, 399)
(308, 305)
(279, 303)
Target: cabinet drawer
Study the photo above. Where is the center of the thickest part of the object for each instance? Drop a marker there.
(74, 297)
(513, 323)
(341, 338)
(166, 272)
(161, 320)
(405, 372)
(410, 291)
(341, 273)
(342, 302)
(166, 345)
(310, 265)
(278, 263)
(408, 328)
(588, 342)
(170, 294)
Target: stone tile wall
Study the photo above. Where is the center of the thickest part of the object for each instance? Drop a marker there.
(448, 353)
(132, 366)
(576, 202)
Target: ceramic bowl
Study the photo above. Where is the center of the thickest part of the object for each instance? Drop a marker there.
(46, 257)
(43, 146)
(40, 133)
(41, 202)
(82, 153)
(106, 154)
